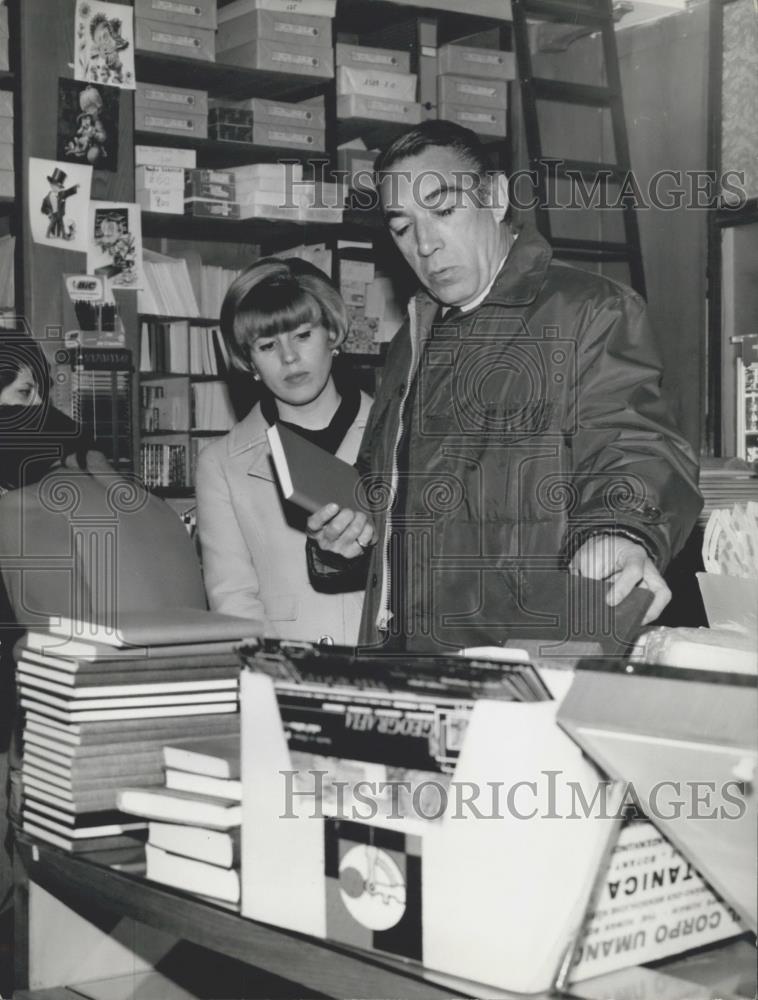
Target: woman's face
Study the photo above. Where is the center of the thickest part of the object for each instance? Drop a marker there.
(295, 366)
(22, 391)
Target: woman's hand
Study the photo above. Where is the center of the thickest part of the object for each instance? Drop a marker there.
(344, 532)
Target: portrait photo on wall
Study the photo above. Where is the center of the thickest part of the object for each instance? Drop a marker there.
(104, 43)
(115, 243)
(59, 200)
(88, 124)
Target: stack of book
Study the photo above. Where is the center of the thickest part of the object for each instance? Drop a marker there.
(97, 717)
(194, 830)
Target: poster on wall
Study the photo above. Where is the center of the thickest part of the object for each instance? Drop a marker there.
(88, 124)
(59, 200)
(115, 243)
(104, 43)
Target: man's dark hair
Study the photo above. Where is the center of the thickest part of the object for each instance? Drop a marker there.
(436, 132)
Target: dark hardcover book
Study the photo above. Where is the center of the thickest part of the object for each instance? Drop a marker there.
(309, 476)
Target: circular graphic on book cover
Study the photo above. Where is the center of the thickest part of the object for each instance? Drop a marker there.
(372, 887)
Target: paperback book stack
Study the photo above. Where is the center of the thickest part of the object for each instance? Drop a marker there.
(194, 830)
(97, 716)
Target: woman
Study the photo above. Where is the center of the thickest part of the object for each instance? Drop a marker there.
(283, 321)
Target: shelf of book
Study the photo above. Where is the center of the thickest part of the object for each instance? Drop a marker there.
(223, 80)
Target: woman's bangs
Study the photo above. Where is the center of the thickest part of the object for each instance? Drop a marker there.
(279, 307)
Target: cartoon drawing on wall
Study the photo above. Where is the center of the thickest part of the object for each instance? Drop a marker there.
(115, 243)
(88, 124)
(104, 43)
(59, 198)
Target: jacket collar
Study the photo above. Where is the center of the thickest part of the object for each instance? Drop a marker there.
(519, 281)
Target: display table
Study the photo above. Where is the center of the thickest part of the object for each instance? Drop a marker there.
(77, 922)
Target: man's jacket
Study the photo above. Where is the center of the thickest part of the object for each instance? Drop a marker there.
(536, 420)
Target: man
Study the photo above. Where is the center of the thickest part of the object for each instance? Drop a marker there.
(519, 424)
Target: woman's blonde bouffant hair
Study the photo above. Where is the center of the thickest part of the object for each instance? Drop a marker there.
(274, 296)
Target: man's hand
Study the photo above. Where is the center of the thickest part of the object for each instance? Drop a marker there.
(344, 532)
(626, 565)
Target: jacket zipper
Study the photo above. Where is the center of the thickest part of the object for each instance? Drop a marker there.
(384, 615)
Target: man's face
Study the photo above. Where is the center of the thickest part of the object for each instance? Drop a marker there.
(454, 243)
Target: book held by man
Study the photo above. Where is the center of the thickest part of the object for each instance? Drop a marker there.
(308, 475)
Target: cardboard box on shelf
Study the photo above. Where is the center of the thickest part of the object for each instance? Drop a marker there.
(216, 184)
(378, 109)
(6, 130)
(197, 13)
(472, 90)
(7, 160)
(468, 60)
(268, 134)
(229, 132)
(268, 176)
(227, 114)
(375, 83)
(175, 124)
(358, 165)
(483, 121)
(208, 208)
(280, 58)
(260, 210)
(164, 156)
(320, 8)
(175, 39)
(165, 98)
(7, 184)
(369, 57)
(6, 104)
(310, 113)
(293, 29)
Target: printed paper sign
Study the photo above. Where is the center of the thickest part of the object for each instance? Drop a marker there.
(104, 43)
(59, 199)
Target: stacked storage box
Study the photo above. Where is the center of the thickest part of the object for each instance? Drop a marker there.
(253, 35)
(376, 83)
(4, 54)
(472, 87)
(210, 194)
(270, 123)
(176, 28)
(171, 110)
(7, 177)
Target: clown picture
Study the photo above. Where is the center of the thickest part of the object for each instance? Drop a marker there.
(105, 43)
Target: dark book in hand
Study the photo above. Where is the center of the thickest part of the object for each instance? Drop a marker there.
(308, 475)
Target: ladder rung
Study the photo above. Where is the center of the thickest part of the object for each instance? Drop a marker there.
(596, 250)
(572, 93)
(563, 12)
(589, 169)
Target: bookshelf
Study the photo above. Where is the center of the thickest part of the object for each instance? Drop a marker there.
(414, 29)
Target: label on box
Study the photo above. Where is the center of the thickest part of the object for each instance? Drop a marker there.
(169, 202)
(159, 178)
(157, 122)
(280, 136)
(298, 58)
(175, 7)
(471, 90)
(163, 156)
(187, 99)
(363, 55)
(292, 28)
(319, 8)
(167, 38)
(358, 106)
(398, 86)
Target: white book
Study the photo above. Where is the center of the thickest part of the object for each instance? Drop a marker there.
(217, 847)
(191, 875)
(145, 712)
(78, 706)
(175, 806)
(34, 675)
(186, 781)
